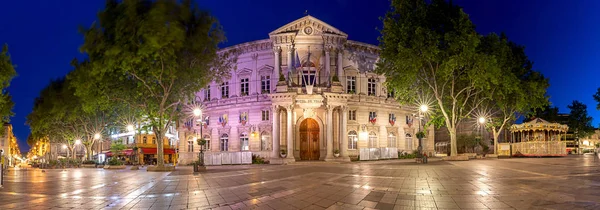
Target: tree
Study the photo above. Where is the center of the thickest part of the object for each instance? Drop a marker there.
(7, 73)
(547, 112)
(520, 90)
(597, 98)
(579, 121)
(431, 49)
(152, 56)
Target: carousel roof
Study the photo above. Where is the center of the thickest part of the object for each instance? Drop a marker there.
(539, 124)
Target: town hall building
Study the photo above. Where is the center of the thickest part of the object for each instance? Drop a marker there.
(306, 90)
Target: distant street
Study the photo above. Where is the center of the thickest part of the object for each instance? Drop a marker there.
(536, 183)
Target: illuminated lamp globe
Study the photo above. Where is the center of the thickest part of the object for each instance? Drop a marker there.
(481, 120)
(78, 141)
(423, 108)
(197, 112)
(97, 136)
(130, 128)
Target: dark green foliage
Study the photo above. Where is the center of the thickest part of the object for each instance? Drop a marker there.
(152, 56)
(88, 162)
(580, 123)
(115, 162)
(7, 73)
(430, 49)
(116, 148)
(402, 155)
(597, 98)
(548, 113)
(258, 159)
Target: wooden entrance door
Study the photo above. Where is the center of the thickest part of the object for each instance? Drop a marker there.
(309, 140)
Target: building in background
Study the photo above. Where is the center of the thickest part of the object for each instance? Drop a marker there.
(307, 90)
(9, 147)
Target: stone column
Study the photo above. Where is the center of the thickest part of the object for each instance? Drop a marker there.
(344, 136)
(329, 133)
(277, 72)
(340, 59)
(328, 65)
(290, 135)
(290, 58)
(275, 111)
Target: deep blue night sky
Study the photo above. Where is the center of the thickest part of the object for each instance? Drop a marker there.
(561, 38)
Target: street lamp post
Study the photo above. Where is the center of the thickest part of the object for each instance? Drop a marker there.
(422, 110)
(481, 120)
(198, 114)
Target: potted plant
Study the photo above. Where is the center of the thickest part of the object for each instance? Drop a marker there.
(336, 153)
(420, 135)
(283, 153)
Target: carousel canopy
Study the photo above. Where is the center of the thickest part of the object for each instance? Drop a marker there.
(539, 124)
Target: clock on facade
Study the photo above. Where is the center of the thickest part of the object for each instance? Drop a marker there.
(308, 30)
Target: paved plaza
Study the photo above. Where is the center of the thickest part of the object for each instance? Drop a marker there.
(536, 183)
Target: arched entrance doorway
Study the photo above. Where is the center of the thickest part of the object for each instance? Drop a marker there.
(309, 140)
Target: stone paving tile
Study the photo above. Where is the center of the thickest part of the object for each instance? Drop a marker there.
(394, 184)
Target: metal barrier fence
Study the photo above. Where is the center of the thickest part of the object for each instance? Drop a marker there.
(378, 153)
(540, 148)
(227, 158)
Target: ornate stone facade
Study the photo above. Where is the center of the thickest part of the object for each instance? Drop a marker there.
(307, 90)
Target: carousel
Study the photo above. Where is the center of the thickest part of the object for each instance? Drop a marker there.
(538, 138)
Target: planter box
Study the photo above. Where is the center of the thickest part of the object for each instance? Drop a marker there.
(158, 169)
(456, 158)
(491, 156)
(114, 167)
(88, 165)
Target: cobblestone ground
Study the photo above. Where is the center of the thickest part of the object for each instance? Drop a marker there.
(537, 183)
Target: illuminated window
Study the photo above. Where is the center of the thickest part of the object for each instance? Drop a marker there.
(207, 93)
(224, 144)
(265, 84)
(190, 145)
(373, 140)
(351, 84)
(225, 90)
(352, 115)
(409, 142)
(265, 141)
(265, 115)
(352, 140)
(392, 140)
(207, 145)
(371, 86)
(244, 87)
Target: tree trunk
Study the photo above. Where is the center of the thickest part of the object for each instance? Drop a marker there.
(88, 149)
(453, 147)
(160, 159)
(496, 135)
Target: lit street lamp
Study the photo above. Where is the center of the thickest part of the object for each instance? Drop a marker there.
(198, 114)
(423, 108)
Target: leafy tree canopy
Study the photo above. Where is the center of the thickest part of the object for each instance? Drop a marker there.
(7, 73)
(579, 121)
(152, 56)
(431, 48)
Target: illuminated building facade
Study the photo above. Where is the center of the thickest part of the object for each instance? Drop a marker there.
(307, 90)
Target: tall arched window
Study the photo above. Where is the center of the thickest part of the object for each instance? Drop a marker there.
(409, 142)
(352, 140)
(373, 143)
(265, 141)
(145, 140)
(244, 142)
(392, 140)
(207, 145)
(190, 146)
(224, 142)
